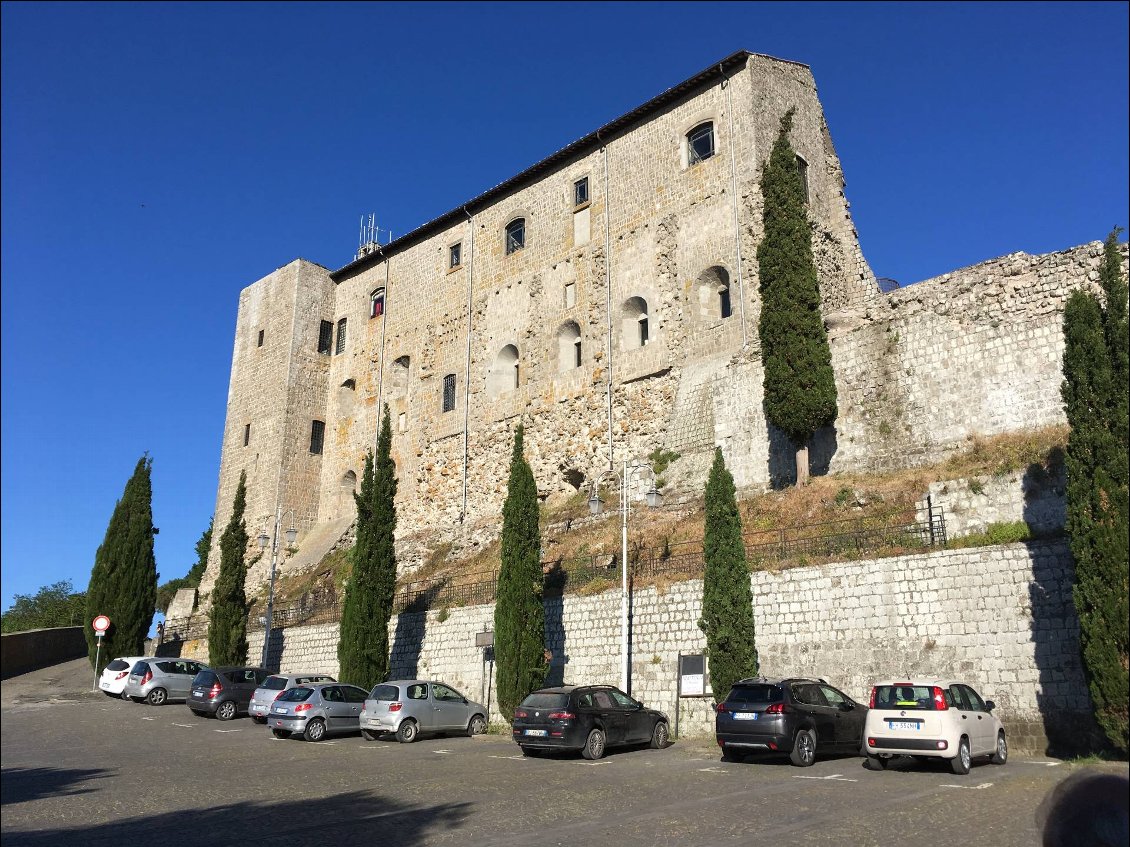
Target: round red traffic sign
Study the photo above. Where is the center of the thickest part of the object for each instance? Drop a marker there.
(101, 623)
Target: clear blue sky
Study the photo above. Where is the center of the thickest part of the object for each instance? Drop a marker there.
(158, 158)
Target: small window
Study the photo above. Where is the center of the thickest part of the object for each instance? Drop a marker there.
(340, 346)
(246, 434)
(802, 169)
(581, 191)
(377, 303)
(260, 344)
(635, 331)
(568, 346)
(644, 332)
(700, 143)
(503, 376)
(317, 436)
(325, 337)
(570, 295)
(455, 255)
(515, 235)
(449, 392)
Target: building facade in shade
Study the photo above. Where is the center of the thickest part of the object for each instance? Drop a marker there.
(607, 298)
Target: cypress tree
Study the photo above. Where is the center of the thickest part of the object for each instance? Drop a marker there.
(800, 386)
(227, 626)
(519, 617)
(1094, 392)
(363, 648)
(727, 601)
(123, 582)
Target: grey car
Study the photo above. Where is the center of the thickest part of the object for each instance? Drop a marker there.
(315, 711)
(408, 707)
(157, 681)
(273, 686)
(224, 692)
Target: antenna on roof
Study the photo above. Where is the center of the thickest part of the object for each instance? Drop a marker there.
(368, 237)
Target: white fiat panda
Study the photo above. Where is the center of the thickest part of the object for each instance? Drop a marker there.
(932, 719)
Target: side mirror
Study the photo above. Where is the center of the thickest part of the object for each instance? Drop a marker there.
(847, 706)
(639, 704)
(990, 705)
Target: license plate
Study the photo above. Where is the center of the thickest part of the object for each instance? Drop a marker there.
(915, 725)
(279, 710)
(197, 693)
(538, 732)
(744, 716)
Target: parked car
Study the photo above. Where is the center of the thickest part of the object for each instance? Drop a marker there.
(315, 711)
(157, 681)
(794, 716)
(408, 707)
(112, 682)
(274, 685)
(589, 718)
(928, 718)
(224, 692)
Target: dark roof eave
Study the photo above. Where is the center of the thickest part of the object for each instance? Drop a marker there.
(597, 138)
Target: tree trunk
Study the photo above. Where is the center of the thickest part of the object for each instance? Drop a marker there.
(802, 466)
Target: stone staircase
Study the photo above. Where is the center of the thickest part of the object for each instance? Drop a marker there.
(314, 546)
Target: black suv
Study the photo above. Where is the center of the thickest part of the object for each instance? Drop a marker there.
(791, 716)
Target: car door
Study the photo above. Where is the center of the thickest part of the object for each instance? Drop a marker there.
(334, 707)
(984, 727)
(965, 720)
(420, 706)
(612, 716)
(351, 709)
(449, 708)
(637, 720)
(808, 698)
(179, 679)
(849, 718)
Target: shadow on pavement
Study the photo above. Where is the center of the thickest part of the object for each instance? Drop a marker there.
(356, 814)
(19, 785)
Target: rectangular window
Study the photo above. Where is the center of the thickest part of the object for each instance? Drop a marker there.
(570, 295)
(246, 434)
(260, 344)
(340, 346)
(317, 436)
(325, 337)
(455, 255)
(449, 392)
(581, 191)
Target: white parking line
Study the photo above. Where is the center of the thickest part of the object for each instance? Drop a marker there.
(185, 725)
(227, 730)
(715, 769)
(980, 787)
(591, 764)
(1045, 764)
(149, 719)
(376, 746)
(837, 777)
(511, 758)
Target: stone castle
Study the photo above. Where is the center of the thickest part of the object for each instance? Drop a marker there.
(607, 298)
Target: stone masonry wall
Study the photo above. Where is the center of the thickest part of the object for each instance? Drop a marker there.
(1000, 618)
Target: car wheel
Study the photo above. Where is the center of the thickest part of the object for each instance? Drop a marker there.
(226, 710)
(1001, 754)
(157, 697)
(729, 755)
(280, 733)
(804, 749)
(315, 730)
(660, 735)
(594, 745)
(407, 732)
(960, 763)
(477, 726)
(877, 763)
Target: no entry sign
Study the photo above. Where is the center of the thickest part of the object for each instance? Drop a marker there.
(101, 624)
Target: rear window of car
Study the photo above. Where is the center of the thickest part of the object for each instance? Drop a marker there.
(275, 683)
(117, 665)
(140, 668)
(904, 697)
(204, 678)
(385, 693)
(760, 693)
(298, 694)
(303, 680)
(540, 700)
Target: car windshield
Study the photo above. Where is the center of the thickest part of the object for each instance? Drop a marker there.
(386, 693)
(117, 665)
(904, 697)
(275, 683)
(296, 695)
(546, 700)
(761, 693)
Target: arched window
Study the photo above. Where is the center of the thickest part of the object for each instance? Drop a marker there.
(515, 235)
(377, 303)
(713, 290)
(568, 347)
(634, 328)
(345, 491)
(400, 377)
(503, 374)
(700, 143)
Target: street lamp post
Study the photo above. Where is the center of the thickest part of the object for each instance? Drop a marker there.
(273, 540)
(596, 506)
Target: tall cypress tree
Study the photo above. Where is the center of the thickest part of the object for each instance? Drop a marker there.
(1094, 394)
(363, 649)
(123, 582)
(227, 626)
(727, 600)
(519, 616)
(800, 386)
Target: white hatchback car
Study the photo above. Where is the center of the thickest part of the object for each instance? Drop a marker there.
(112, 683)
(932, 719)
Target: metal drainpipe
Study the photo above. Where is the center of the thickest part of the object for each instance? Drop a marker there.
(467, 362)
(381, 369)
(734, 192)
(608, 294)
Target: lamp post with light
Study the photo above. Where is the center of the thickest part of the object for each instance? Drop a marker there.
(596, 506)
(273, 540)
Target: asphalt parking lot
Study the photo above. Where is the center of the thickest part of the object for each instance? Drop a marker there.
(80, 768)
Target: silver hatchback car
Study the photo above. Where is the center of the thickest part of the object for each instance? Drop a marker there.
(157, 681)
(408, 707)
(273, 687)
(314, 711)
